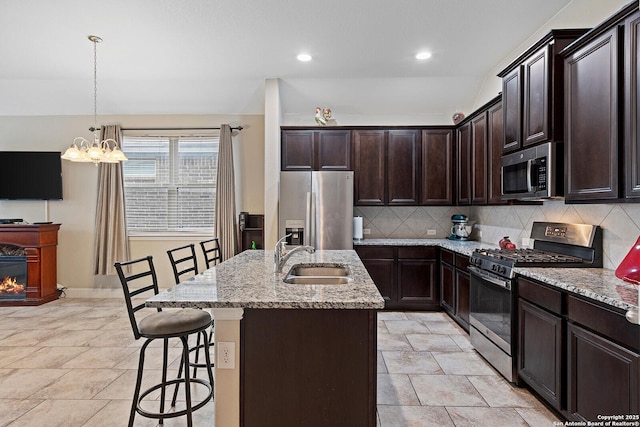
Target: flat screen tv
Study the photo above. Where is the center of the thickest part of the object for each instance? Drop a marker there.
(30, 175)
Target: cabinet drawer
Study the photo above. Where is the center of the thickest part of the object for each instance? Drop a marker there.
(604, 321)
(375, 252)
(446, 256)
(418, 252)
(462, 261)
(543, 296)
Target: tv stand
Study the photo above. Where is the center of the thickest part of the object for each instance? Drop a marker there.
(40, 241)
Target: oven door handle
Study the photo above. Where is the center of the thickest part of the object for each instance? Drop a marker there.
(495, 280)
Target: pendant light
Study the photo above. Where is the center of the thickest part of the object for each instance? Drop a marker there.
(106, 151)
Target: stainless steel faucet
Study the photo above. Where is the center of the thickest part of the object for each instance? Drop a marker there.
(282, 255)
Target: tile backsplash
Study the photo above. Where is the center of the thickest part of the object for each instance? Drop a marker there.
(620, 222)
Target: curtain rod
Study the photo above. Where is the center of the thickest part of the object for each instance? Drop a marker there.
(239, 128)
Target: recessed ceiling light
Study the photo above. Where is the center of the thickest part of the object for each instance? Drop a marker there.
(304, 57)
(423, 55)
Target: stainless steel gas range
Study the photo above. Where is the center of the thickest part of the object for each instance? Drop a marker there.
(492, 293)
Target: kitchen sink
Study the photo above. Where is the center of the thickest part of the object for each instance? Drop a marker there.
(319, 274)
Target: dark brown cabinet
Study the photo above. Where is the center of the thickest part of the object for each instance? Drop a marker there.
(591, 140)
(632, 112)
(603, 364)
(512, 101)
(478, 156)
(370, 164)
(580, 356)
(311, 149)
(532, 92)
(454, 286)
(436, 185)
(495, 119)
(406, 276)
(403, 174)
(602, 376)
(479, 161)
(601, 114)
(380, 264)
(463, 164)
(540, 340)
(387, 166)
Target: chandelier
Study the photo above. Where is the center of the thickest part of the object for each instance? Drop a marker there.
(82, 150)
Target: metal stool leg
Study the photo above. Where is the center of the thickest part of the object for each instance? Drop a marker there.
(136, 393)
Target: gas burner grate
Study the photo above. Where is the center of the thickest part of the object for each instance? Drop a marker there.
(525, 256)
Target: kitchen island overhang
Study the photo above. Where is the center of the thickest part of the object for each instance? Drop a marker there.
(306, 354)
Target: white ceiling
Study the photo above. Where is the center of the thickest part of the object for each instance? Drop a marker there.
(211, 57)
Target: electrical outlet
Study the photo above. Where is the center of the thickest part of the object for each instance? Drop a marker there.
(431, 232)
(366, 231)
(526, 242)
(226, 352)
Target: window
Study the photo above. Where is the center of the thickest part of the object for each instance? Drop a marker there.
(170, 183)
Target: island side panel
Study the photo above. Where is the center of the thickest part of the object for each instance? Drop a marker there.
(308, 367)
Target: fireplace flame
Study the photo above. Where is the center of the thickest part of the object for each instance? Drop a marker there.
(10, 286)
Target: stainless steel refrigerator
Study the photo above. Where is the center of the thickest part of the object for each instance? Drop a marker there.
(316, 208)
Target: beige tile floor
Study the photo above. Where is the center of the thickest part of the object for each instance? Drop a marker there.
(72, 362)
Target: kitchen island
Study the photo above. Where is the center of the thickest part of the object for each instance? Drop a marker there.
(302, 354)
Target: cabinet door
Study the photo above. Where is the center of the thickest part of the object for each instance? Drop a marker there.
(463, 282)
(403, 174)
(463, 164)
(591, 121)
(417, 278)
(494, 156)
(602, 377)
(540, 351)
(535, 108)
(297, 150)
(632, 112)
(436, 186)
(512, 104)
(479, 159)
(447, 287)
(379, 262)
(333, 151)
(369, 166)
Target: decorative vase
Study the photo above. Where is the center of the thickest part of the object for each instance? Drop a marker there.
(629, 268)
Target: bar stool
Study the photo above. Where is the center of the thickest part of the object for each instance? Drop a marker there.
(211, 251)
(183, 261)
(163, 325)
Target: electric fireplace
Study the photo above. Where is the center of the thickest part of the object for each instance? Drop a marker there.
(13, 273)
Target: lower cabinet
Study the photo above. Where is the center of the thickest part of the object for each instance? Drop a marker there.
(454, 286)
(582, 358)
(540, 351)
(406, 276)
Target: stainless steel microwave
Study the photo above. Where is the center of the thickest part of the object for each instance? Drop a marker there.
(533, 173)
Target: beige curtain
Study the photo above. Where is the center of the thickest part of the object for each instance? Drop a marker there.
(225, 211)
(111, 242)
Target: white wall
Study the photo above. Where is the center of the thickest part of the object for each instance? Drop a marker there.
(76, 212)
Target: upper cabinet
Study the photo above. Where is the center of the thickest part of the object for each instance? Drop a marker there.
(601, 111)
(370, 165)
(478, 154)
(315, 149)
(436, 184)
(532, 92)
(632, 112)
(387, 166)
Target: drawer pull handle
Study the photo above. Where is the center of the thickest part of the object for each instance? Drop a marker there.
(632, 316)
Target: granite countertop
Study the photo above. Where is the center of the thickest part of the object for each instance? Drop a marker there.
(248, 281)
(599, 284)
